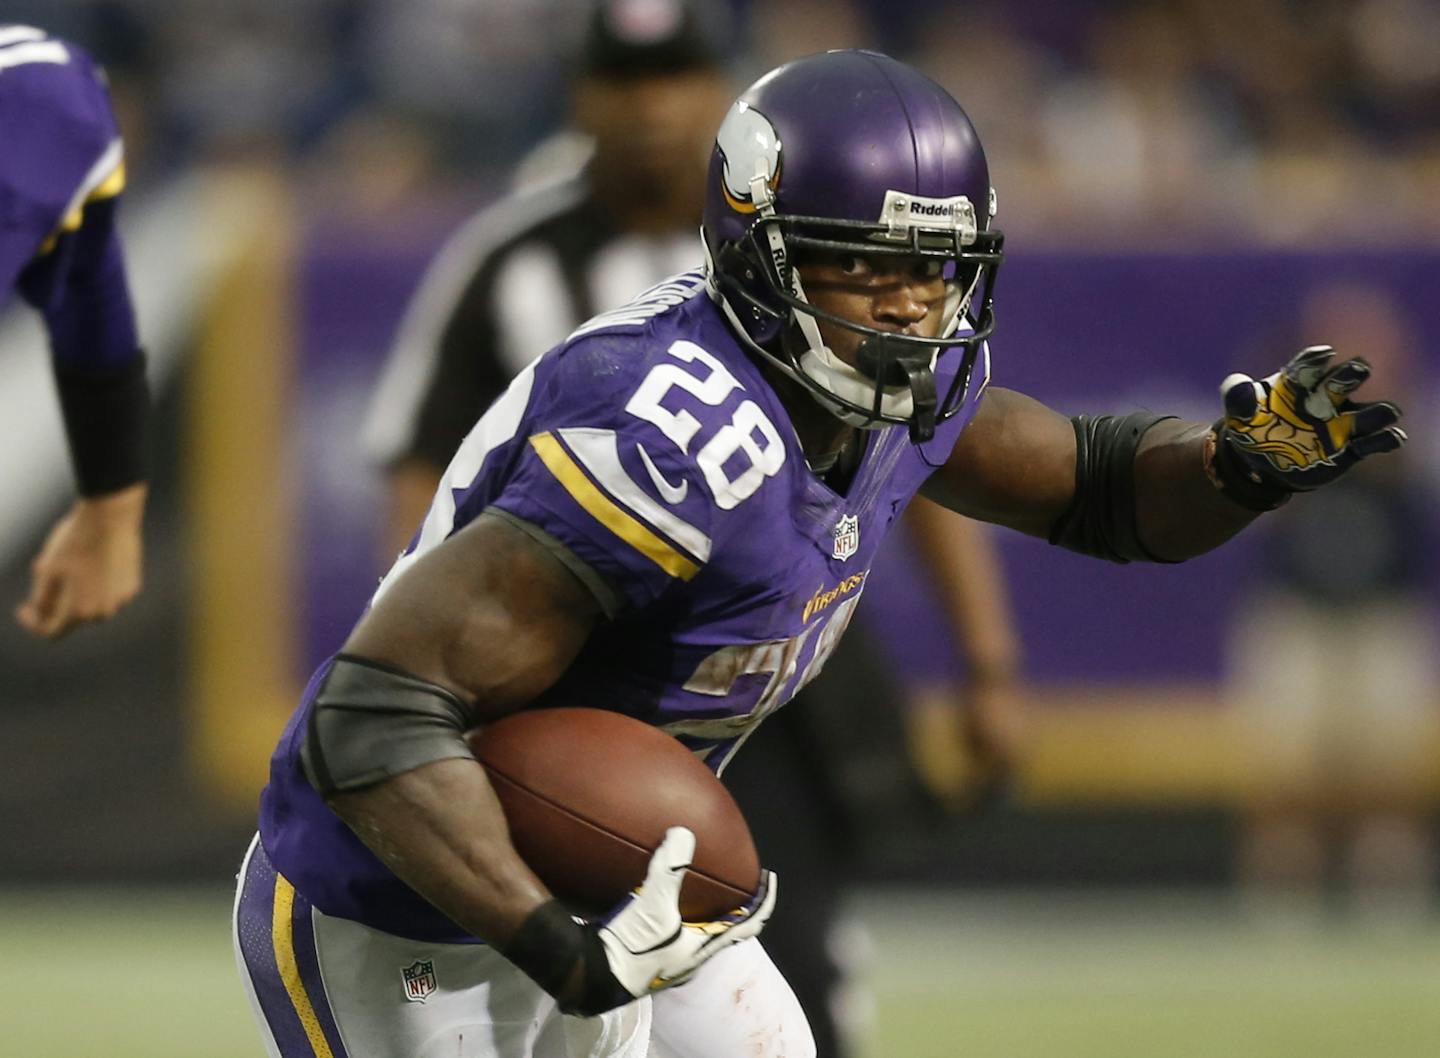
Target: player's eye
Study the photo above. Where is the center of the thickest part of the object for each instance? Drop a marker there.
(853, 265)
(928, 268)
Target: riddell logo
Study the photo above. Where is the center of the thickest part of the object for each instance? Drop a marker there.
(903, 213)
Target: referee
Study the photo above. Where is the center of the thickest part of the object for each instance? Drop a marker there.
(650, 91)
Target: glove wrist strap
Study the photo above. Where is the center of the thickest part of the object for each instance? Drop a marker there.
(1236, 481)
(548, 946)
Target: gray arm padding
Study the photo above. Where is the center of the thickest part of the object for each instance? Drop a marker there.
(369, 722)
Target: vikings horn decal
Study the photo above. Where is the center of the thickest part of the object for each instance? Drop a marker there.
(747, 142)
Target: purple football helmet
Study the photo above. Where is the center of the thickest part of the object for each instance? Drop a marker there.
(853, 152)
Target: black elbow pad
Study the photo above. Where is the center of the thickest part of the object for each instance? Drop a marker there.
(369, 722)
(1100, 520)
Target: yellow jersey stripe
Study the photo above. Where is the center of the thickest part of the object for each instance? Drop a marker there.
(111, 186)
(282, 936)
(606, 511)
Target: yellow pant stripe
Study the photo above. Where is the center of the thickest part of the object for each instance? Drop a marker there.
(282, 934)
(606, 512)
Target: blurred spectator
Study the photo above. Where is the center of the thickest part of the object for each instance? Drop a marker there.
(1113, 120)
(523, 273)
(1334, 668)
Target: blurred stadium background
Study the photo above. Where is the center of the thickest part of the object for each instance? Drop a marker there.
(1188, 188)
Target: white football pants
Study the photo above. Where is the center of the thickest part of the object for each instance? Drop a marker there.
(326, 987)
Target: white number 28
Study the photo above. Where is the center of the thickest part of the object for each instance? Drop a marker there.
(748, 432)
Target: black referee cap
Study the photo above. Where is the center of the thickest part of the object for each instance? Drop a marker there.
(655, 36)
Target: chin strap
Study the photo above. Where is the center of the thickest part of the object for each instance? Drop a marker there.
(920, 376)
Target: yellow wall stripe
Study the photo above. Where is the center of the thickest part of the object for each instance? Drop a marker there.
(283, 937)
(606, 512)
(240, 492)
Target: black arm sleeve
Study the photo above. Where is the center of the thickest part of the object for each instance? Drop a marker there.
(1100, 520)
(106, 413)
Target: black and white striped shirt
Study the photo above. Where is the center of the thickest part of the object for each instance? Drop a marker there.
(514, 281)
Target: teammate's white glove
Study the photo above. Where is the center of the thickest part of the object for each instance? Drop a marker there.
(649, 947)
(642, 946)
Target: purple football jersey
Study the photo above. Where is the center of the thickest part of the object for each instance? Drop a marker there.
(61, 169)
(650, 445)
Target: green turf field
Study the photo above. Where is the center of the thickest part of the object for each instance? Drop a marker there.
(86, 975)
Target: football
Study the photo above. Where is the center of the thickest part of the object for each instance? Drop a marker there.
(588, 795)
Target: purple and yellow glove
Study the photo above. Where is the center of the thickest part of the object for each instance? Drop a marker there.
(1298, 429)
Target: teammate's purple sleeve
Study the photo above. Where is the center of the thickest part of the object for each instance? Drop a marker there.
(61, 171)
(80, 288)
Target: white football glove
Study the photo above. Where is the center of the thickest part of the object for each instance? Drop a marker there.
(647, 944)
(642, 946)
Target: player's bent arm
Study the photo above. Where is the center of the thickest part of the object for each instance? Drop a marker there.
(1126, 489)
(488, 619)
(477, 628)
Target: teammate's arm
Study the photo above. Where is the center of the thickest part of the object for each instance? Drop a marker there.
(91, 562)
(1018, 464)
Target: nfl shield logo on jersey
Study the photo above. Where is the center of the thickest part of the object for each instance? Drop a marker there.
(847, 536)
(419, 980)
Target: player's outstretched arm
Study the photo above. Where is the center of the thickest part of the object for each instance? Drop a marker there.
(1294, 431)
(1124, 489)
(1014, 465)
(1153, 488)
(477, 628)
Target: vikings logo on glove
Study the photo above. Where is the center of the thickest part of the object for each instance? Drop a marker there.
(1298, 429)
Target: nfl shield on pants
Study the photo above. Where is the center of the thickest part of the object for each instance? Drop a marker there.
(322, 986)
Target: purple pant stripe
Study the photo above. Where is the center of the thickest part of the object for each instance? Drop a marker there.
(308, 963)
(254, 920)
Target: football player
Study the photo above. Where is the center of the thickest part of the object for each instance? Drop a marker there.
(670, 515)
(650, 85)
(61, 173)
